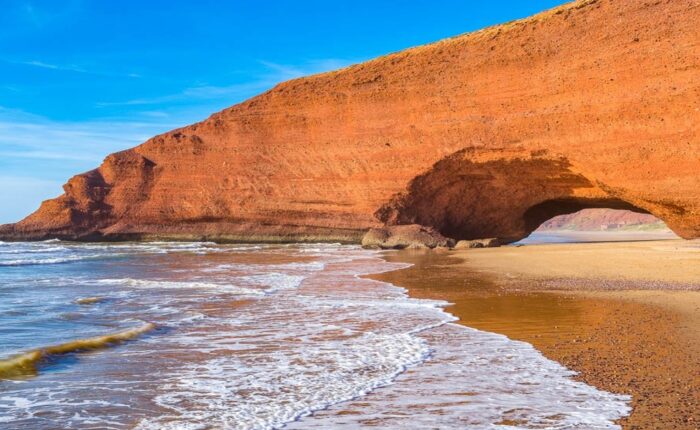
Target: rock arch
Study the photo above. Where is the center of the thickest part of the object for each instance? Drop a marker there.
(473, 194)
(596, 103)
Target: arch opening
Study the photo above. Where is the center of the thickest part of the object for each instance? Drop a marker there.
(476, 194)
(587, 221)
(540, 213)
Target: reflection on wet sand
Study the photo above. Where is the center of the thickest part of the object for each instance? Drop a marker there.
(481, 302)
(628, 342)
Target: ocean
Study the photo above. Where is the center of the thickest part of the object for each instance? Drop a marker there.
(207, 336)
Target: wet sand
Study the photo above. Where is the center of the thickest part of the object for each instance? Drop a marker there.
(625, 315)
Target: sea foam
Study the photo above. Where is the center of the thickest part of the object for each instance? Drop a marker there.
(340, 337)
(297, 344)
(162, 284)
(40, 261)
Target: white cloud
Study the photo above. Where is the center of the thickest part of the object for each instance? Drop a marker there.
(38, 155)
(155, 114)
(275, 74)
(43, 65)
(69, 68)
(27, 136)
(72, 141)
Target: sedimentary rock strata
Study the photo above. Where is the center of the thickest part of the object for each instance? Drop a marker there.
(489, 134)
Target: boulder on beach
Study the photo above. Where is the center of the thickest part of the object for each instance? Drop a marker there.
(412, 236)
(479, 243)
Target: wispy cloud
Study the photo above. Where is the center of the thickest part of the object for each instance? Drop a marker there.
(69, 68)
(43, 65)
(37, 155)
(46, 155)
(155, 114)
(197, 93)
(285, 72)
(27, 136)
(274, 74)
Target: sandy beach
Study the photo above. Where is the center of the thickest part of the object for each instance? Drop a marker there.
(625, 315)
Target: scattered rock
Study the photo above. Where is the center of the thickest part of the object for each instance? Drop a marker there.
(89, 300)
(412, 236)
(479, 243)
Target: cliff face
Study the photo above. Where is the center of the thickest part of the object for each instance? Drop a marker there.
(489, 134)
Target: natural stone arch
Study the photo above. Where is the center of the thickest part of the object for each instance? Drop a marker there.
(474, 194)
(546, 111)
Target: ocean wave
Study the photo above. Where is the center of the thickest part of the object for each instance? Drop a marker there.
(26, 364)
(274, 281)
(40, 261)
(37, 250)
(475, 380)
(160, 284)
(360, 365)
(314, 266)
(199, 248)
(298, 357)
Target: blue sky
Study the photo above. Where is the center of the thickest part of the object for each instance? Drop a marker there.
(80, 79)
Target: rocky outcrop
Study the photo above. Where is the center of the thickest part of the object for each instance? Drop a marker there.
(478, 243)
(405, 237)
(489, 134)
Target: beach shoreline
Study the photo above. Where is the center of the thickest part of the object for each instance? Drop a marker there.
(624, 315)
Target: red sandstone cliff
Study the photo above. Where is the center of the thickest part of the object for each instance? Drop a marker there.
(594, 104)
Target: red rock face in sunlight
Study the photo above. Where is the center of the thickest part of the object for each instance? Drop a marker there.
(485, 135)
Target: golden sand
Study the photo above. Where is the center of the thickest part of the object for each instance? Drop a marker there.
(626, 316)
(670, 261)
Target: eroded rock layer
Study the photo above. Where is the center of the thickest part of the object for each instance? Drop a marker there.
(489, 134)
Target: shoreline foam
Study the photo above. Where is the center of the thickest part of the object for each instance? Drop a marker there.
(317, 345)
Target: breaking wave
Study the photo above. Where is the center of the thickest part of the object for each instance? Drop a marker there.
(40, 261)
(245, 341)
(26, 364)
(155, 284)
